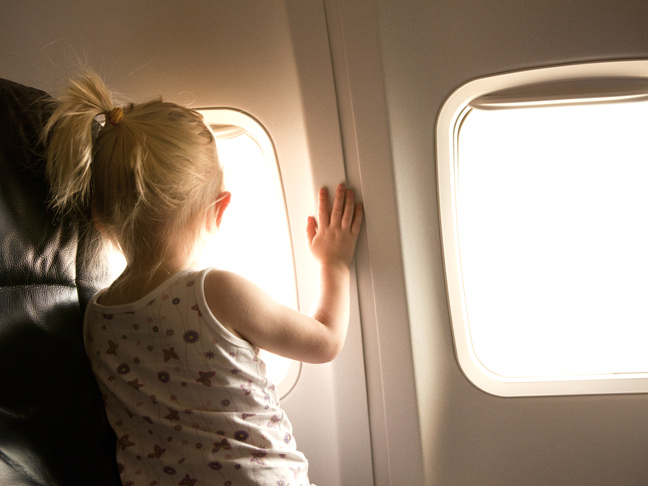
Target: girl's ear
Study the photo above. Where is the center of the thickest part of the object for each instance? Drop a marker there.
(221, 205)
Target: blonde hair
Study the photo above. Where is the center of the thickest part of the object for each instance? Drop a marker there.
(151, 176)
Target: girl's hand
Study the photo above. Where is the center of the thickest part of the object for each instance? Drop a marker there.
(332, 240)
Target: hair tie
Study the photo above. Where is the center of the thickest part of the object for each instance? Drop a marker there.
(115, 116)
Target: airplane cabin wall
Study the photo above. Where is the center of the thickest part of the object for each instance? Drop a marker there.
(363, 82)
(413, 55)
(268, 59)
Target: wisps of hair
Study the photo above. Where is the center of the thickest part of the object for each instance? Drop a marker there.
(68, 135)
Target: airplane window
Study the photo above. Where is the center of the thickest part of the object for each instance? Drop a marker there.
(545, 238)
(254, 238)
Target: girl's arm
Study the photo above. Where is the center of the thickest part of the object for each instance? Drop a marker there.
(250, 313)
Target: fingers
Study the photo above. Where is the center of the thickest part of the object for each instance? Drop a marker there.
(347, 217)
(338, 205)
(345, 213)
(323, 207)
(357, 219)
(311, 229)
(333, 235)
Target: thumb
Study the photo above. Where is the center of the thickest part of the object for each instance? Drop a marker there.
(311, 229)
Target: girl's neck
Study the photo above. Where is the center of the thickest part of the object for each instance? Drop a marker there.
(132, 285)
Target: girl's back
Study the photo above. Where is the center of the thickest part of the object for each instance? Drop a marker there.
(201, 408)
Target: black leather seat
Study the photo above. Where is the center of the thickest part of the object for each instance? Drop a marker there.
(53, 429)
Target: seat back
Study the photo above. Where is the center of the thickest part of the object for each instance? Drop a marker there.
(53, 428)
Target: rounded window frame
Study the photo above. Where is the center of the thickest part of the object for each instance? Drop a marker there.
(494, 89)
(228, 117)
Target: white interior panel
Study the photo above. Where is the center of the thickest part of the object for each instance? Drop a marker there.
(270, 60)
(354, 90)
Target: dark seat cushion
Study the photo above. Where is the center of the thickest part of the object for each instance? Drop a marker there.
(53, 429)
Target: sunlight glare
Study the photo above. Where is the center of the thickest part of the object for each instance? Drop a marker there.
(254, 239)
(551, 221)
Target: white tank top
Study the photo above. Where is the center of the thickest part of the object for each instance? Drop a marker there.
(189, 401)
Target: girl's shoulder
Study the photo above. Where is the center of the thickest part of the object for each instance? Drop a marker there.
(248, 312)
(226, 295)
(229, 294)
(245, 309)
(223, 280)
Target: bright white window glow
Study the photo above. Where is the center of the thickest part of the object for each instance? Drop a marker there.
(544, 213)
(253, 240)
(552, 220)
(254, 237)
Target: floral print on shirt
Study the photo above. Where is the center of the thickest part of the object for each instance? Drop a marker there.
(189, 402)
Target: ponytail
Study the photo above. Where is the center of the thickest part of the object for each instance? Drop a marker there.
(69, 135)
(152, 171)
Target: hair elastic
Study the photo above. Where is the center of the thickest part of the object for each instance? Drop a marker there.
(115, 116)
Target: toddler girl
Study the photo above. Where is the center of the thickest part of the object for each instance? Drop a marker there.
(175, 350)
